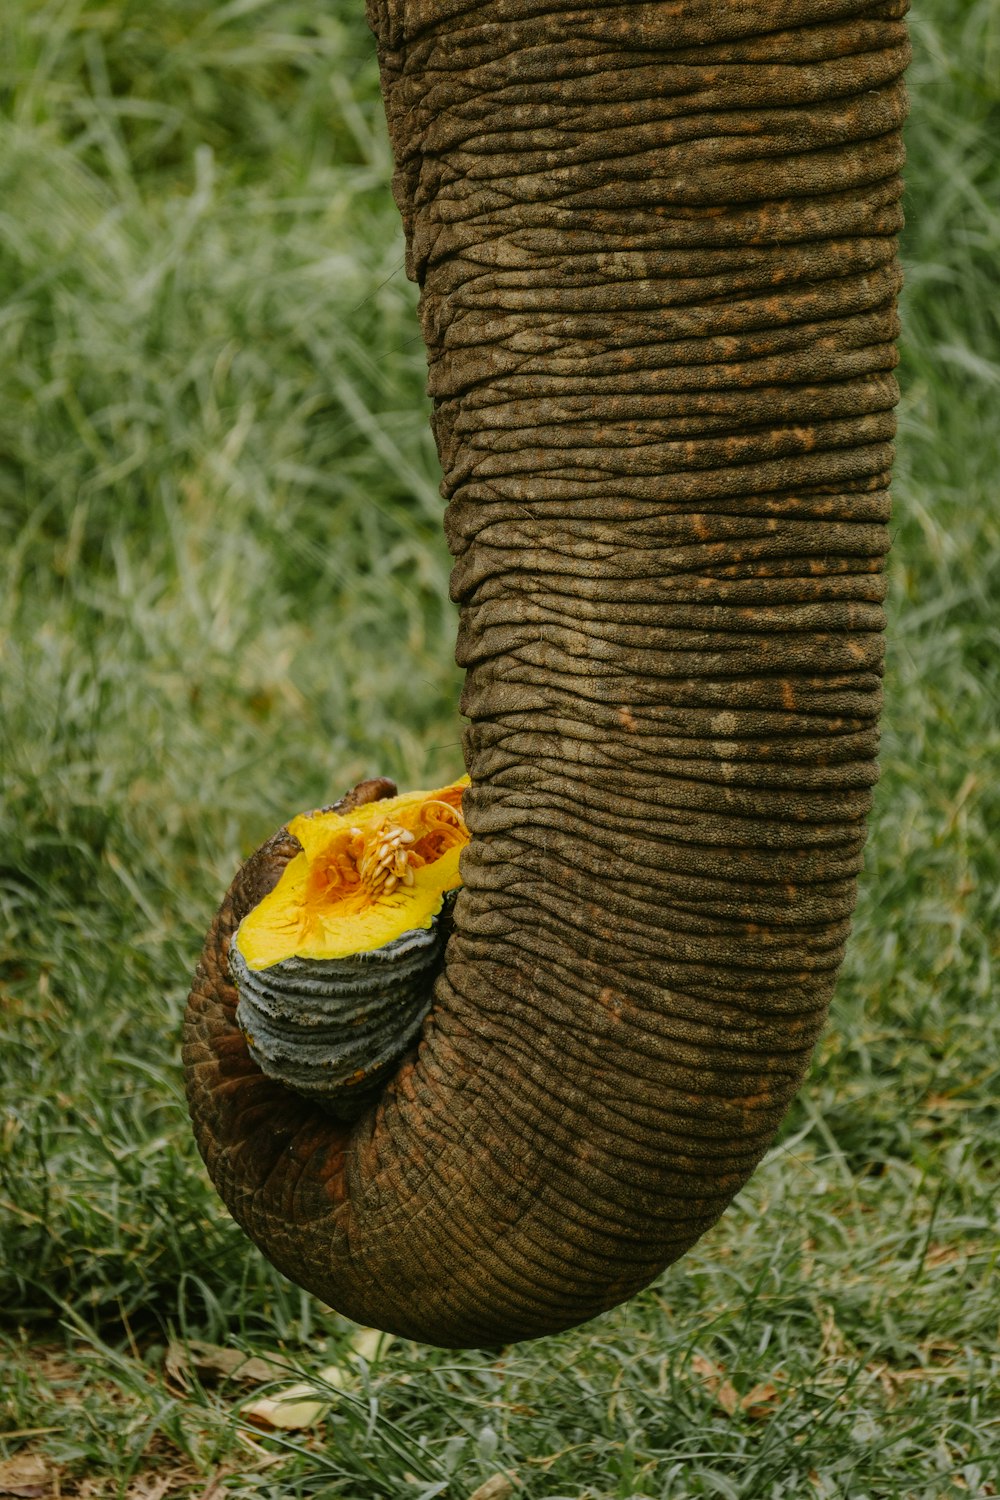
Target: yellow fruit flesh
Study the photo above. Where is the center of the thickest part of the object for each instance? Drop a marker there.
(362, 879)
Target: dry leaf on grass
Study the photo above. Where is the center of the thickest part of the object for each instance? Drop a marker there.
(211, 1362)
(296, 1407)
(25, 1477)
(942, 1255)
(497, 1487)
(142, 1487)
(762, 1401)
(149, 1489)
(759, 1403)
(306, 1403)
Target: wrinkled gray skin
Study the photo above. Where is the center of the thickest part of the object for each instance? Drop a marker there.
(656, 247)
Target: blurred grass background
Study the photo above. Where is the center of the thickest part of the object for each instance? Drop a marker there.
(225, 598)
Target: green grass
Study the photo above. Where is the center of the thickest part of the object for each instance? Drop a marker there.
(225, 599)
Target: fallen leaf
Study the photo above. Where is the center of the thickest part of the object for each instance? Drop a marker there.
(212, 1362)
(296, 1407)
(303, 1404)
(762, 1401)
(497, 1487)
(941, 1255)
(727, 1396)
(370, 1344)
(25, 1476)
(148, 1489)
(833, 1346)
(759, 1403)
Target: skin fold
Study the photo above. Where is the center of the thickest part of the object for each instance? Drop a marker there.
(657, 258)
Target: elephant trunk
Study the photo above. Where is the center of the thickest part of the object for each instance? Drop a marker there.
(656, 247)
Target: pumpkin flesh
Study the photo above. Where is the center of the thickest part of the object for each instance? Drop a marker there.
(361, 879)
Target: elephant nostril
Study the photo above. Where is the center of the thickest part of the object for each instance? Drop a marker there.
(335, 966)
